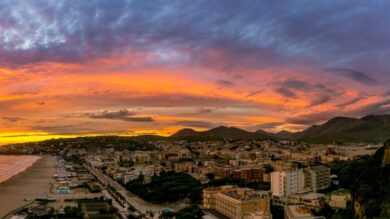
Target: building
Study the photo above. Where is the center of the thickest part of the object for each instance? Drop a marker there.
(259, 215)
(299, 212)
(249, 174)
(234, 202)
(287, 182)
(296, 181)
(311, 200)
(340, 199)
(182, 165)
(319, 177)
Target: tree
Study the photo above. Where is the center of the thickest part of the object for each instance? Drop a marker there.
(210, 176)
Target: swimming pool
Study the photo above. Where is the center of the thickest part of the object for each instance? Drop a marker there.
(63, 190)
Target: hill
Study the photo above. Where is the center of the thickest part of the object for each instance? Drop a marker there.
(95, 142)
(284, 135)
(370, 129)
(221, 133)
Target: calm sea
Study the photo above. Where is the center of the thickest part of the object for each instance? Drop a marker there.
(12, 165)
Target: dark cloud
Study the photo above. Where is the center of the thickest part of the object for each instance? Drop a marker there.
(285, 92)
(296, 84)
(290, 87)
(124, 115)
(195, 124)
(358, 76)
(12, 119)
(270, 125)
(321, 99)
(199, 112)
(225, 83)
(351, 101)
(312, 118)
(265, 33)
(204, 111)
(301, 85)
(77, 129)
(380, 107)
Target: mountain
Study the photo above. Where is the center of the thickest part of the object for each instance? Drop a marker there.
(221, 133)
(369, 129)
(182, 133)
(284, 134)
(372, 128)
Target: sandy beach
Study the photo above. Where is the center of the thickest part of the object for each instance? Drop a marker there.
(32, 183)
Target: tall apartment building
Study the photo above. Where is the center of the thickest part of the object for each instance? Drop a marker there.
(319, 177)
(287, 182)
(295, 181)
(236, 203)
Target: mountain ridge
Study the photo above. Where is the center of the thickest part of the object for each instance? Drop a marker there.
(369, 129)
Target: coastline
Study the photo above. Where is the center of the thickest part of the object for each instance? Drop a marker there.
(34, 181)
(26, 168)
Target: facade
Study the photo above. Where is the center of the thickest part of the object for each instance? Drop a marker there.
(259, 215)
(249, 174)
(182, 166)
(287, 182)
(234, 202)
(311, 200)
(340, 199)
(296, 181)
(319, 177)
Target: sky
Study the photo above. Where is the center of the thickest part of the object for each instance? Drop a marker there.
(78, 68)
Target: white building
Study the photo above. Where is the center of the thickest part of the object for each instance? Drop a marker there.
(296, 181)
(287, 182)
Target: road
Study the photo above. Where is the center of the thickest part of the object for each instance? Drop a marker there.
(139, 204)
(122, 210)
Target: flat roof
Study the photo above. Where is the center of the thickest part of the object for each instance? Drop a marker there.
(313, 195)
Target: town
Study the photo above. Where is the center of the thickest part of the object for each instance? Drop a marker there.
(251, 179)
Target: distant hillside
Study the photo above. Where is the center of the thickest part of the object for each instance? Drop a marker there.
(284, 135)
(117, 142)
(372, 128)
(221, 133)
(369, 129)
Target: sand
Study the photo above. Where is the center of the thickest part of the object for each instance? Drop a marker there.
(32, 183)
(12, 165)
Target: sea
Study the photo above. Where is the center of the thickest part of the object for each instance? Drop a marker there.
(11, 165)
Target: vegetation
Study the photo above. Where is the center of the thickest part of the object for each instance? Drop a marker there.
(191, 212)
(176, 186)
(102, 142)
(257, 185)
(167, 187)
(369, 183)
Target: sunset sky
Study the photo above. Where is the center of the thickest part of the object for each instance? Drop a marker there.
(72, 68)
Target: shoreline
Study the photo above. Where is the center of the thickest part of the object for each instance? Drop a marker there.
(26, 168)
(33, 182)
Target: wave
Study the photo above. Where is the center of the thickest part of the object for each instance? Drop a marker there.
(13, 165)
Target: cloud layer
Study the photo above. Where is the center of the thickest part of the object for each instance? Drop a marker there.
(95, 67)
